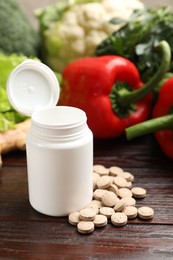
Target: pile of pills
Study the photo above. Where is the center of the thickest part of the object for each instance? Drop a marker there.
(114, 198)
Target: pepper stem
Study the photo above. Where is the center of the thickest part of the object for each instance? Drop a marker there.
(126, 98)
(150, 126)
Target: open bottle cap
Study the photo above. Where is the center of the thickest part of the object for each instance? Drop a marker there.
(32, 86)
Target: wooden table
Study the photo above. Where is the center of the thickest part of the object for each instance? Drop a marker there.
(26, 234)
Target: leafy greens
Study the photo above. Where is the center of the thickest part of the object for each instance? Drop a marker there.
(8, 116)
(137, 38)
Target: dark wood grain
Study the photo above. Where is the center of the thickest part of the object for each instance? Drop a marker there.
(26, 234)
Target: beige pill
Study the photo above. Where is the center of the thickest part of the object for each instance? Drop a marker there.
(120, 182)
(119, 206)
(128, 176)
(145, 212)
(94, 207)
(107, 211)
(73, 218)
(87, 214)
(97, 167)
(124, 192)
(119, 219)
(114, 170)
(104, 182)
(97, 203)
(112, 178)
(129, 185)
(109, 199)
(101, 170)
(100, 221)
(128, 201)
(85, 227)
(98, 194)
(113, 188)
(131, 212)
(96, 177)
(138, 193)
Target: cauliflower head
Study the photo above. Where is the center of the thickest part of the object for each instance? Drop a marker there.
(74, 28)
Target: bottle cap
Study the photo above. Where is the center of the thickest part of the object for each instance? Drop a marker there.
(32, 86)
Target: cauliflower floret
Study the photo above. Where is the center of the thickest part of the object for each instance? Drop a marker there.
(70, 18)
(78, 47)
(76, 32)
(93, 39)
(90, 15)
(82, 28)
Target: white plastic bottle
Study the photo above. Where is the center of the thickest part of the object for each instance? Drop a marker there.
(59, 144)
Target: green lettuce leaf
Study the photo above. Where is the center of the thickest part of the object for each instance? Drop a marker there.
(8, 116)
(4, 103)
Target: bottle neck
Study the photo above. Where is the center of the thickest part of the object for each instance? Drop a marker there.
(59, 134)
(59, 124)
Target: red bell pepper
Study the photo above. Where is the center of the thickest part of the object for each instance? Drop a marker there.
(162, 124)
(110, 91)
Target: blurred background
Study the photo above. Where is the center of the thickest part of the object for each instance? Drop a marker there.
(30, 5)
(64, 35)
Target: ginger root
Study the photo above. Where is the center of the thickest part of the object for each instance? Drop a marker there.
(14, 139)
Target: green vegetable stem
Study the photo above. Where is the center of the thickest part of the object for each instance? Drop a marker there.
(125, 98)
(150, 126)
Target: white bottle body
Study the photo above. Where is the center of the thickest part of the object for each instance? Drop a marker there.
(59, 162)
